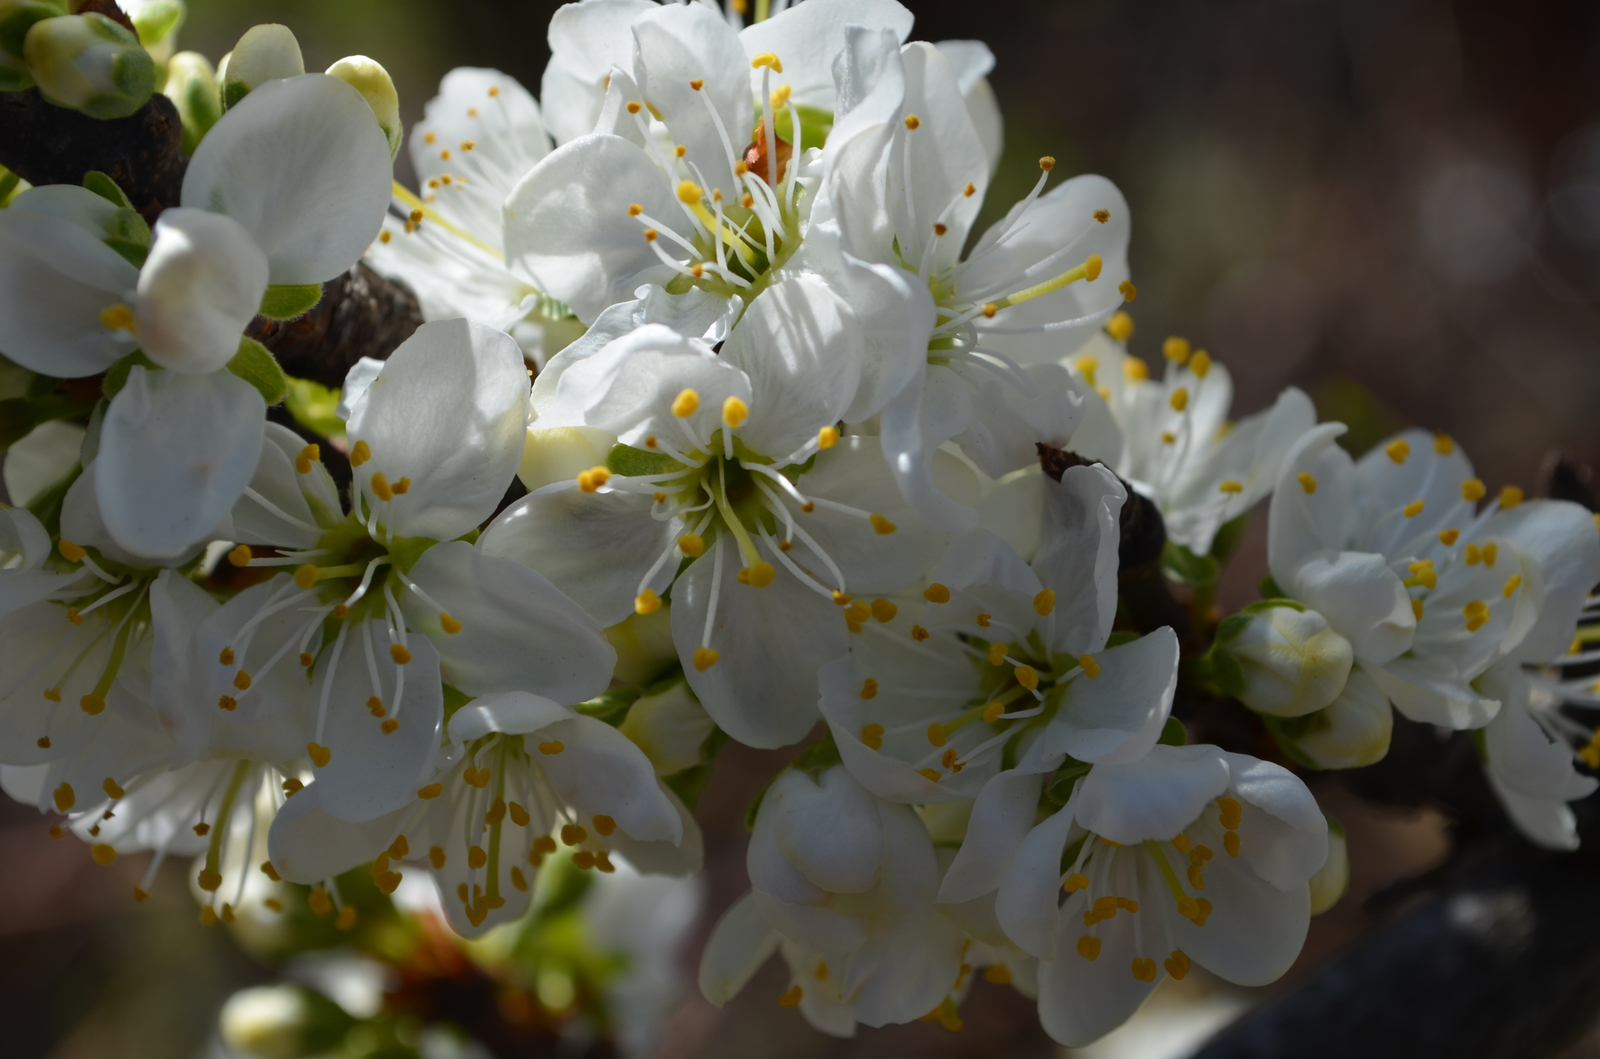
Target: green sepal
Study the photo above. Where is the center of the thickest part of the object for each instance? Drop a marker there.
(1229, 537)
(454, 699)
(117, 375)
(102, 185)
(1234, 624)
(314, 406)
(8, 180)
(631, 462)
(287, 301)
(611, 706)
(232, 92)
(131, 252)
(14, 25)
(815, 125)
(1187, 568)
(1059, 790)
(1069, 856)
(1220, 669)
(1270, 589)
(19, 415)
(690, 783)
(258, 367)
(1173, 733)
(817, 758)
(1287, 731)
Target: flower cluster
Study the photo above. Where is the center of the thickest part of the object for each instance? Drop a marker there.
(727, 422)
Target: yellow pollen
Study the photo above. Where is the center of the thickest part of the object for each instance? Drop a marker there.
(880, 525)
(689, 192)
(1473, 555)
(1398, 450)
(872, 736)
(842, 598)
(1075, 882)
(118, 317)
(93, 705)
(305, 575)
(692, 545)
(308, 455)
(572, 834)
(43, 742)
(1512, 584)
(360, 453)
(605, 825)
(385, 236)
(320, 754)
(1176, 349)
(767, 59)
(931, 775)
(969, 190)
(1089, 947)
(226, 657)
(401, 486)
(1168, 437)
(990, 308)
(1413, 509)
(1231, 812)
(1047, 163)
(1448, 537)
(64, 798)
(467, 145)
(1120, 328)
(436, 857)
(697, 84)
(993, 712)
(591, 480)
(1091, 668)
(646, 602)
(1443, 444)
(936, 593)
(240, 556)
(827, 437)
(1128, 291)
(1416, 608)
(375, 706)
(1230, 486)
(940, 229)
(635, 209)
(306, 659)
(780, 95)
(633, 107)
(292, 786)
(52, 694)
(884, 610)
(1473, 490)
(1230, 842)
(1490, 552)
(476, 857)
(400, 655)
(1144, 969)
(919, 634)
(650, 235)
(1102, 215)
(758, 575)
(552, 746)
(680, 150)
(791, 997)
(202, 829)
(1180, 399)
(983, 620)
(1200, 364)
(432, 790)
(998, 974)
(735, 412)
(704, 658)
(912, 121)
(1510, 496)
(936, 734)
(1027, 676)
(390, 726)
(1178, 965)
(997, 652)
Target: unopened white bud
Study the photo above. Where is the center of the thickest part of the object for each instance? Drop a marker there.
(1333, 878)
(192, 87)
(1293, 663)
(377, 88)
(16, 18)
(1350, 732)
(265, 53)
(157, 22)
(282, 1022)
(561, 453)
(671, 728)
(90, 64)
(644, 646)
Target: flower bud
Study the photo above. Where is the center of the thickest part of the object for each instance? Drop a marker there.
(671, 728)
(265, 53)
(1293, 663)
(1350, 732)
(17, 17)
(157, 23)
(560, 453)
(644, 646)
(377, 88)
(192, 87)
(1333, 878)
(90, 64)
(282, 1022)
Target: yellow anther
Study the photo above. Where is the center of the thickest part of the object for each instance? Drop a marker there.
(651, 235)
(1398, 450)
(552, 746)
(940, 229)
(1075, 882)
(572, 834)
(1144, 969)
(1230, 842)
(1027, 676)
(767, 59)
(1102, 215)
(43, 742)
(692, 545)
(1176, 349)
(842, 598)
(1490, 552)
(931, 775)
(1473, 555)
(379, 483)
(997, 652)
(241, 680)
(400, 655)
(1182, 844)
(1091, 668)
(208, 916)
(604, 824)
(634, 107)
(1200, 364)
(791, 997)
(1510, 496)
(735, 412)
(449, 624)
(292, 786)
(1120, 328)
(319, 754)
(1307, 482)
(1449, 536)
(646, 602)
(305, 575)
(697, 84)
(476, 857)
(936, 734)
(306, 659)
(936, 593)
(118, 317)
(431, 791)
(1413, 509)
(239, 556)
(1168, 437)
(1443, 444)
(1047, 163)
(226, 656)
(591, 480)
(1086, 365)
(912, 121)
(983, 620)
(436, 857)
(827, 437)
(705, 658)
(1231, 812)
(872, 736)
(52, 694)
(689, 192)
(634, 209)
(884, 610)
(1512, 584)
(360, 453)
(390, 727)
(780, 95)
(308, 455)
(1178, 965)
(1179, 399)
(93, 705)
(880, 525)
(1473, 490)
(680, 150)
(1230, 487)
(64, 797)
(993, 712)
(1089, 947)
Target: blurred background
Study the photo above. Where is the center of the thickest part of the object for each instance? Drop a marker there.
(1395, 206)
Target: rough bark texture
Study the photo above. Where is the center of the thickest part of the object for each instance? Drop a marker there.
(46, 144)
(361, 314)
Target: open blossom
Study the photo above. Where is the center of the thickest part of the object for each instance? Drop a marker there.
(732, 460)
(1172, 439)
(287, 190)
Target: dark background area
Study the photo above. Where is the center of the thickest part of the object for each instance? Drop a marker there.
(1394, 204)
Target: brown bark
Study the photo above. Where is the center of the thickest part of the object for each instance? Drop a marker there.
(361, 314)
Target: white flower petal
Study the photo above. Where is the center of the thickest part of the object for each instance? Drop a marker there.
(806, 39)
(600, 772)
(586, 41)
(821, 929)
(1077, 556)
(1361, 597)
(302, 165)
(1433, 691)
(1547, 822)
(1154, 797)
(494, 113)
(199, 289)
(679, 43)
(1521, 756)
(1118, 715)
(37, 648)
(278, 483)
(510, 712)
(1026, 904)
(175, 453)
(1002, 817)
(908, 447)
(739, 944)
(1303, 524)
(309, 846)
(1255, 930)
(1283, 834)
(828, 827)
(1562, 542)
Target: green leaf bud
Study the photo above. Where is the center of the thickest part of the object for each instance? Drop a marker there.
(192, 87)
(17, 17)
(90, 64)
(1333, 878)
(377, 88)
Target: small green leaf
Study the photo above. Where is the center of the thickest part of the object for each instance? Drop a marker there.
(815, 125)
(1226, 674)
(8, 179)
(258, 367)
(1187, 568)
(1270, 589)
(287, 301)
(106, 188)
(117, 374)
(314, 407)
(629, 461)
(131, 252)
(1268, 604)
(1173, 733)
